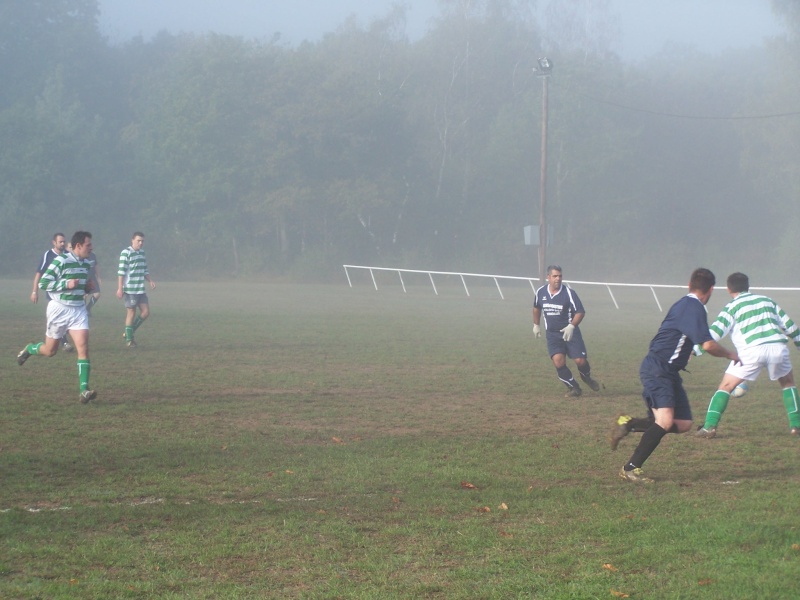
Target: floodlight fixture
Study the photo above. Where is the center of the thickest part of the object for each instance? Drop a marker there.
(545, 66)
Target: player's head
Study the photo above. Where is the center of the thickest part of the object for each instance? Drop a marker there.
(554, 275)
(81, 244)
(702, 281)
(738, 282)
(59, 242)
(137, 240)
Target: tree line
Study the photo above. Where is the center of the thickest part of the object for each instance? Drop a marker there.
(246, 158)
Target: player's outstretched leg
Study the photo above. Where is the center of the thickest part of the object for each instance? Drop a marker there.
(717, 406)
(27, 352)
(792, 403)
(565, 375)
(84, 368)
(625, 424)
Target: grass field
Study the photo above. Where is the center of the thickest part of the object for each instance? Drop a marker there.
(301, 441)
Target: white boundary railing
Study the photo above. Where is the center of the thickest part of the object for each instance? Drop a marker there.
(496, 278)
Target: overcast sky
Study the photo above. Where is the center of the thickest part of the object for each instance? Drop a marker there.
(708, 25)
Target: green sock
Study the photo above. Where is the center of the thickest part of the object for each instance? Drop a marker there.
(717, 406)
(83, 373)
(792, 404)
(128, 333)
(33, 349)
(137, 322)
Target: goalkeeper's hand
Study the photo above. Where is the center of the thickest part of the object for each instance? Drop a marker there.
(537, 332)
(567, 331)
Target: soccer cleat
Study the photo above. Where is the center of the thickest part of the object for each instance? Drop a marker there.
(23, 356)
(707, 434)
(573, 392)
(619, 430)
(591, 383)
(131, 344)
(66, 346)
(636, 475)
(87, 395)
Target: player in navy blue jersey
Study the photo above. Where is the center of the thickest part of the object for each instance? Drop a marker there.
(685, 326)
(59, 248)
(563, 312)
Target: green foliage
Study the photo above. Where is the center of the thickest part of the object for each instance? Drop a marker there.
(241, 158)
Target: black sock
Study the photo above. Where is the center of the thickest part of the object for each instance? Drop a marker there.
(649, 442)
(640, 425)
(565, 375)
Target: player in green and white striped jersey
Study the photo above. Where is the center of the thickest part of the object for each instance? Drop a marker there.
(132, 274)
(760, 330)
(66, 282)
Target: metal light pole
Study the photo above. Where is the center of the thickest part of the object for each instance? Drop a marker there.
(544, 70)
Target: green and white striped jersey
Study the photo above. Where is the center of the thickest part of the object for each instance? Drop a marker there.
(56, 277)
(133, 267)
(752, 320)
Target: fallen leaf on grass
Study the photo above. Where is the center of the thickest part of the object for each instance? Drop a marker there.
(619, 594)
(505, 534)
(503, 506)
(610, 567)
(484, 509)
(468, 486)
(704, 582)
(795, 546)
(337, 440)
(289, 472)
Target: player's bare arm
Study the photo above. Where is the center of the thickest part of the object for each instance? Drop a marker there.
(715, 349)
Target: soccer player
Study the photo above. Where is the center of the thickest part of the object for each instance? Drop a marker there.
(685, 326)
(132, 274)
(59, 248)
(760, 331)
(65, 279)
(563, 312)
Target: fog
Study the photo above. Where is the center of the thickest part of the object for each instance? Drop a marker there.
(253, 139)
(644, 28)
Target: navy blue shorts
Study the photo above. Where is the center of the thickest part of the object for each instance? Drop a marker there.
(575, 348)
(662, 387)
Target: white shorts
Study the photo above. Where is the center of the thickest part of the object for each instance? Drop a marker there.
(62, 318)
(775, 357)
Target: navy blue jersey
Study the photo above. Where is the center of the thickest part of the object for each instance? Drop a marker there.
(47, 258)
(558, 309)
(685, 325)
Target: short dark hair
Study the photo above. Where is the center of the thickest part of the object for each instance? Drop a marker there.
(79, 238)
(738, 282)
(552, 268)
(137, 234)
(55, 236)
(702, 280)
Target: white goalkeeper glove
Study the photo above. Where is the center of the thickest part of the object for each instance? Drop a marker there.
(536, 331)
(567, 331)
